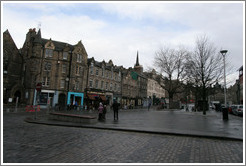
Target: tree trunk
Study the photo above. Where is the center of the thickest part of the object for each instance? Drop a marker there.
(170, 100)
(204, 100)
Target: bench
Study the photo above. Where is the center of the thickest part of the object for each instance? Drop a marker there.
(87, 119)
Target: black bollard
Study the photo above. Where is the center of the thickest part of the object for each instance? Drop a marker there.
(225, 113)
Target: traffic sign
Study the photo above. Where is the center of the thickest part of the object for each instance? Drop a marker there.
(39, 86)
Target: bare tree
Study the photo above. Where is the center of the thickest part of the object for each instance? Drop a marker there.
(170, 63)
(204, 67)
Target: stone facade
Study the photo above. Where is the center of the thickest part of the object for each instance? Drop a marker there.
(103, 82)
(60, 67)
(240, 86)
(134, 84)
(67, 76)
(12, 71)
(155, 90)
(129, 88)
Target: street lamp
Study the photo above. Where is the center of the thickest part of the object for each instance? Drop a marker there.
(223, 53)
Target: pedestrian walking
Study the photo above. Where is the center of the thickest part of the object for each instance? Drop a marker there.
(104, 112)
(149, 105)
(100, 112)
(75, 105)
(116, 109)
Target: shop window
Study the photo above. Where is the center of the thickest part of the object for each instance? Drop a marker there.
(43, 98)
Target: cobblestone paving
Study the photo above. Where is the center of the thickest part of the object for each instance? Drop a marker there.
(32, 143)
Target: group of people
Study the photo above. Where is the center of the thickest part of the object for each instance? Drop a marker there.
(102, 110)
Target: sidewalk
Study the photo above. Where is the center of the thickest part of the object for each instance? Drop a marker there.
(177, 122)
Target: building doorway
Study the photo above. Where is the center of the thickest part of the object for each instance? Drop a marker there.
(62, 101)
(17, 94)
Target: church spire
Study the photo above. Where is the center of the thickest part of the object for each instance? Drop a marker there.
(138, 68)
(137, 61)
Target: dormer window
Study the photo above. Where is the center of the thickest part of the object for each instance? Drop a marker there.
(79, 58)
(119, 76)
(91, 71)
(65, 54)
(103, 70)
(112, 74)
(48, 52)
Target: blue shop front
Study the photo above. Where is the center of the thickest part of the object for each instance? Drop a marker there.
(75, 97)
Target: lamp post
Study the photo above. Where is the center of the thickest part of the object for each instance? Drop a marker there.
(238, 91)
(225, 109)
(223, 53)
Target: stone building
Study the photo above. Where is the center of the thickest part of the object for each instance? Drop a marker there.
(103, 82)
(12, 71)
(129, 88)
(141, 99)
(134, 86)
(154, 90)
(240, 86)
(59, 66)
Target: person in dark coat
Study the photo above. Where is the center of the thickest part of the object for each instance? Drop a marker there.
(116, 109)
(104, 112)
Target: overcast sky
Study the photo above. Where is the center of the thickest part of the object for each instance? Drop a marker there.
(117, 30)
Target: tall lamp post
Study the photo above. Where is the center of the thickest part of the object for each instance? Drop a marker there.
(223, 53)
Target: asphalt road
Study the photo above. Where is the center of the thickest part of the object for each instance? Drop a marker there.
(34, 143)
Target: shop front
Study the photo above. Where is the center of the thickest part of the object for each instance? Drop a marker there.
(44, 98)
(75, 99)
(109, 97)
(128, 103)
(117, 97)
(94, 98)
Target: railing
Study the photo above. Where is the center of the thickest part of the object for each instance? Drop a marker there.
(32, 108)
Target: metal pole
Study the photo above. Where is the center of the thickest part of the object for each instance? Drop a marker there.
(16, 104)
(223, 53)
(224, 82)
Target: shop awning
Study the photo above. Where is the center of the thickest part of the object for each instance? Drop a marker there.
(91, 97)
(103, 97)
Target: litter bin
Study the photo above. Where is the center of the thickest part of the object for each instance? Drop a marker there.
(225, 113)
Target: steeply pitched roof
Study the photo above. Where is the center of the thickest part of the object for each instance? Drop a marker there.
(59, 46)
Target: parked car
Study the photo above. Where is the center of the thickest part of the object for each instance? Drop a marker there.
(237, 109)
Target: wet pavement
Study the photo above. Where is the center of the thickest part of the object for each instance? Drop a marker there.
(177, 122)
(111, 141)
